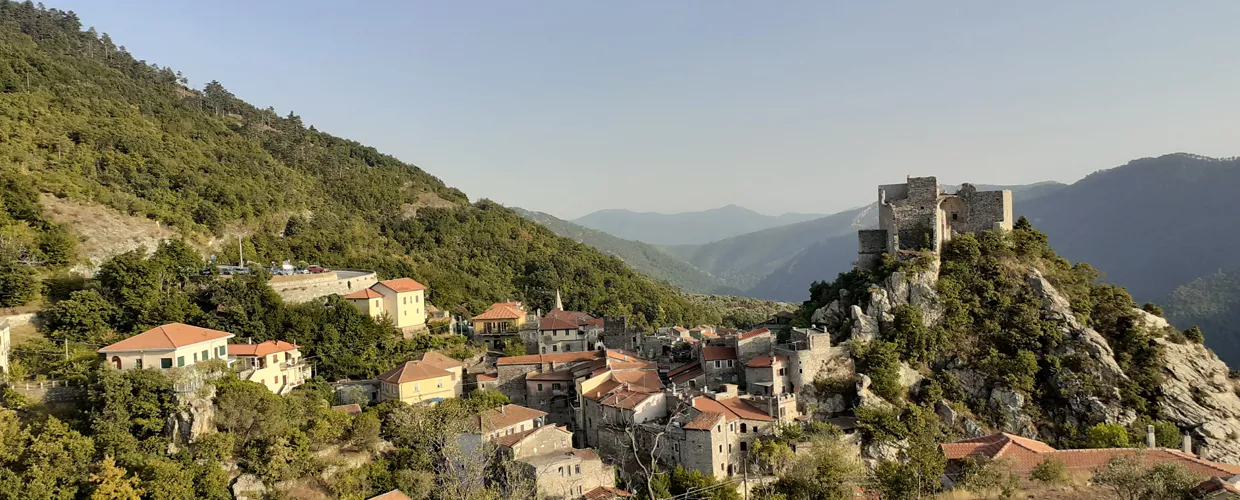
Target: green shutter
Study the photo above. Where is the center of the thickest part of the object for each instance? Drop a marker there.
(180, 360)
(165, 362)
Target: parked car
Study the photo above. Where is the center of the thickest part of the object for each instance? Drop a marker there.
(316, 269)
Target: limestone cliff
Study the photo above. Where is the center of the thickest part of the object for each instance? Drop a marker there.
(1195, 392)
(194, 417)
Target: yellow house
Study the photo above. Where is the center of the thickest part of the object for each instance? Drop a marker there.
(169, 346)
(501, 317)
(403, 300)
(420, 382)
(276, 364)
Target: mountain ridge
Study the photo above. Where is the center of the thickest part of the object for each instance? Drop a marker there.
(689, 227)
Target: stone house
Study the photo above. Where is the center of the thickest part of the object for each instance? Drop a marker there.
(276, 364)
(403, 300)
(754, 343)
(506, 420)
(717, 433)
(428, 381)
(172, 345)
(567, 474)
(512, 371)
(720, 365)
(560, 335)
(688, 375)
(766, 375)
(620, 398)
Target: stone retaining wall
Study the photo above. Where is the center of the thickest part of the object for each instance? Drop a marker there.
(307, 287)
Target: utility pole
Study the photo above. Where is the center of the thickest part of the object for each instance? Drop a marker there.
(240, 250)
(66, 348)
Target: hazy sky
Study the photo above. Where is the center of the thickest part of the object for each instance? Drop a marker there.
(572, 106)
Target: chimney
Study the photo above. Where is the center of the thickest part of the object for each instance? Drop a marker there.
(1187, 446)
(1150, 442)
(501, 409)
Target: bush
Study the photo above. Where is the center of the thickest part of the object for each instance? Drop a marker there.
(881, 361)
(1051, 470)
(877, 424)
(17, 284)
(1194, 334)
(1129, 479)
(1152, 308)
(1106, 436)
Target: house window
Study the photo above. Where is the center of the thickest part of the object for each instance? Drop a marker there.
(222, 350)
(555, 348)
(744, 446)
(195, 357)
(718, 428)
(415, 388)
(577, 469)
(204, 354)
(743, 428)
(180, 360)
(781, 372)
(556, 386)
(165, 362)
(440, 384)
(539, 387)
(720, 448)
(729, 363)
(718, 364)
(138, 363)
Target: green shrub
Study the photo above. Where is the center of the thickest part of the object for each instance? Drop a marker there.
(1107, 436)
(1152, 308)
(878, 424)
(1051, 470)
(1194, 334)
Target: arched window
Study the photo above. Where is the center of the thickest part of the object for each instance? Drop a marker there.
(116, 362)
(743, 427)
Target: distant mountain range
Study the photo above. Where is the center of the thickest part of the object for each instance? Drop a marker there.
(687, 227)
(642, 257)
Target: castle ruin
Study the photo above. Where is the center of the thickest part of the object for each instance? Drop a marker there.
(917, 216)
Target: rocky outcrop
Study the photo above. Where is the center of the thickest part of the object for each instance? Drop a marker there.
(866, 397)
(1198, 397)
(884, 450)
(195, 416)
(249, 487)
(863, 324)
(1092, 388)
(1009, 405)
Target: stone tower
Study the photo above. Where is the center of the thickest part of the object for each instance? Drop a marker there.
(918, 216)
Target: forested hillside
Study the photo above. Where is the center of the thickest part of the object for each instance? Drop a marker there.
(82, 118)
(1211, 302)
(687, 227)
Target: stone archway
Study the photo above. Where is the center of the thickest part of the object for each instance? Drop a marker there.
(953, 217)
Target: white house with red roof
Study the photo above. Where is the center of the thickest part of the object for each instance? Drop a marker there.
(276, 364)
(172, 345)
(403, 300)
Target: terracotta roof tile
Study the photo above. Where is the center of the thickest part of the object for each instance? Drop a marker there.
(587, 454)
(412, 371)
(391, 495)
(684, 368)
(766, 360)
(504, 416)
(260, 349)
(732, 408)
(1023, 454)
(554, 323)
(685, 376)
(644, 379)
(501, 310)
(437, 360)
(364, 293)
(606, 493)
(169, 336)
(704, 421)
(624, 399)
(487, 377)
(714, 353)
(401, 285)
(755, 333)
(556, 375)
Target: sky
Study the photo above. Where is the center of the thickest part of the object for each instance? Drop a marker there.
(568, 106)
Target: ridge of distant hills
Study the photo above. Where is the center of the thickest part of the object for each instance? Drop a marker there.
(685, 227)
(642, 257)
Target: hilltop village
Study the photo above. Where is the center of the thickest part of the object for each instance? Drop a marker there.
(592, 407)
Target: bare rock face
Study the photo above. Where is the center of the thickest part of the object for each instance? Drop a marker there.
(1198, 396)
(195, 416)
(884, 450)
(864, 327)
(866, 397)
(1010, 406)
(249, 487)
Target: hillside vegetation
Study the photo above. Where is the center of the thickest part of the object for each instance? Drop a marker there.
(1212, 303)
(84, 119)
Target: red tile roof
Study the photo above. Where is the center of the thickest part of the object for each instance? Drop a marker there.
(556, 375)
(513, 439)
(576, 317)
(606, 493)
(364, 293)
(559, 357)
(732, 408)
(683, 368)
(402, 285)
(1023, 454)
(437, 360)
(167, 337)
(644, 379)
(704, 421)
(501, 310)
(755, 333)
(391, 495)
(624, 399)
(260, 349)
(685, 376)
(714, 353)
(486, 377)
(412, 371)
(504, 416)
(554, 323)
(766, 360)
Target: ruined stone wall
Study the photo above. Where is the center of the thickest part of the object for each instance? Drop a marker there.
(306, 287)
(701, 452)
(510, 381)
(753, 347)
(990, 210)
